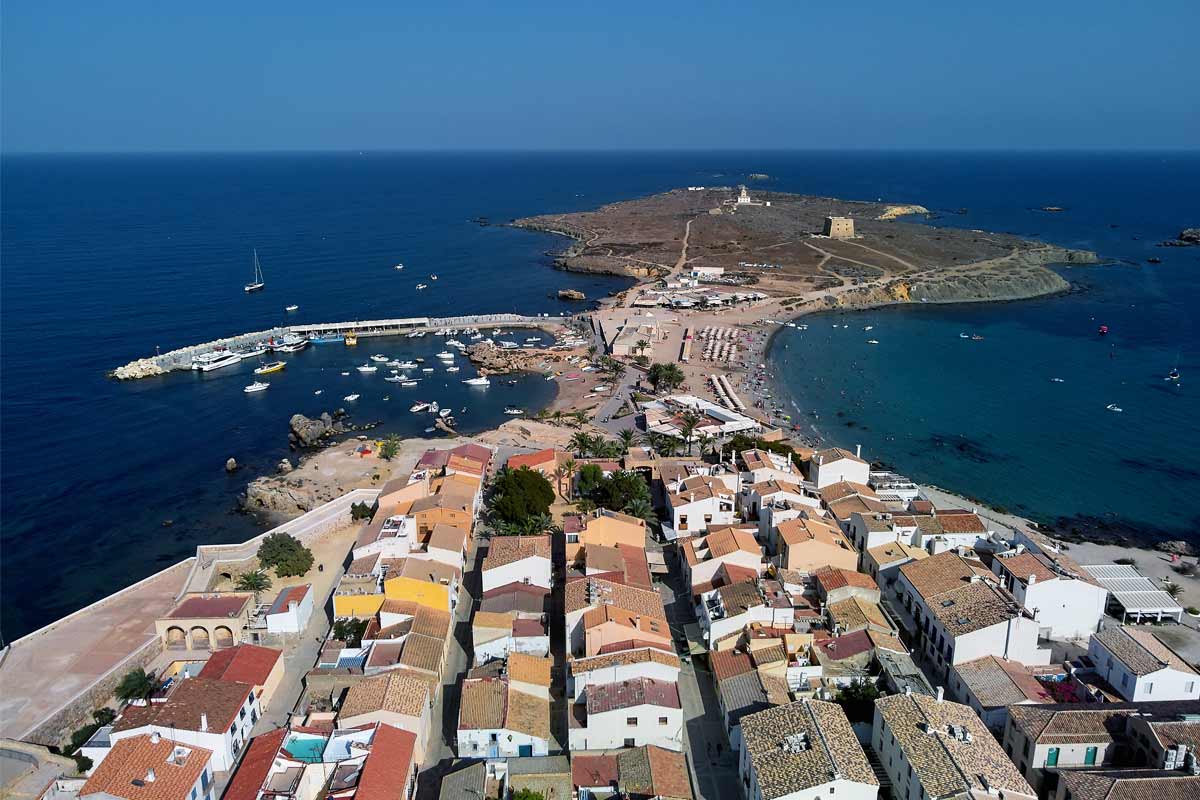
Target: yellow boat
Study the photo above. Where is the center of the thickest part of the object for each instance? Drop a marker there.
(351, 339)
(274, 366)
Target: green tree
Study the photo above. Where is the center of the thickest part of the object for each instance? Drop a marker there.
(135, 685)
(585, 505)
(530, 526)
(390, 447)
(104, 716)
(688, 421)
(1172, 589)
(285, 553)
(626, 438)
(858, 700)
(257, 581)
(580, 418)
(592, 350)
(349, 631)
(640, 508)
(620, 489)
(589, 480)
(665, 377)
(641, 346)
(582, 444)
(525, 793)
(519, 494)
(361, 511)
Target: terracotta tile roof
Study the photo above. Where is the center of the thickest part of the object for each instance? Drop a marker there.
(765, 656)
(1130, 784)
(515, 597)
(220, 700)
(431, 622)
(642, 601)
(1097, 723)
(635, 565)
(474, 451)
(594, 771)
(973, 607)
(545, 459)
(490, 619)
(941, 573)
(256, 764)
(528, 714)
(385, 772)
(509, 549)
(798, 746)
(842, 489)
(651, 771)
(845, 646)
(1140, 650)
(831, 454)
(292, 594)
(361, 567)
(524, 627)
(999, 682)
(447, 537)
(830, 578)
(962, 523)
(640, 655)
(729, 663)
(246, 663)
(801, 530)
(426, 569)
(945, 764)
(225, 605)
(529, 669)
(890, 553)
(856, 613)
(130, 760)
(632, 644)
(725, 542)
(483, 704)
(739, 598)
(398, 691)
(847, 507)
(423, 652)
(628, 619)
(605, 697)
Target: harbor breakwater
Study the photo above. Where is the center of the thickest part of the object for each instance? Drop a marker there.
(180, 359)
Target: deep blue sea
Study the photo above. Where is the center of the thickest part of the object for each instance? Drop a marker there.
(105, 258)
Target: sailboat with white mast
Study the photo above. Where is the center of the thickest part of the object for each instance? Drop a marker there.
(258, 283)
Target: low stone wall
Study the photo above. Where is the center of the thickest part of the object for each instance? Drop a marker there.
(74, 715)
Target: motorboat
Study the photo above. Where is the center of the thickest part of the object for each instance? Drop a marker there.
(426, 369)
(292, 344)
(454, 343)
(351, 339)
(258, 283)
(430, 430)
(257, 386)
(872, 341)
(408, 383)
(445, 412)
(1173, 375)
(292, 307)
(434, 407)
(507, 345)
(433, 277)
(532, 339)
(345, 373)
(211, 361)
(273, 366)
(976, 338)
(1103, 330)
(399, 266)
(381, 359)
(396, 378)
(477, 336)
(452, 369)
(350, 398)
(868, 327)
(367, 368)
(482, 380)
(422, 286)
(1057, 380)
(417, 408)
(964, 336)
(1114, 407)
(514, 412)
(254, 350)
(328, 338)
(404, 364)
(419, 360)
(445, 354)
(318, 391)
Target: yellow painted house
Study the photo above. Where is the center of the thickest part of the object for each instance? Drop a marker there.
(357, 605)
(603, 527)
(425, 582)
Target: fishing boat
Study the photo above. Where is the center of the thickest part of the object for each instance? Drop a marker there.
(381, 359)
(367, 368)
(257, 386)
(416, 408)
(482, 380)
(350, 398)
(406, 365)
(273, 366)
(408, 383)
(426, 369)
(216, 360)
(328, 338)
(1114, 407)
(351, 339)
(292, 307)
(513, 412)
(258, 283)
(445, 354)
(872, 341)
(422, 286)
(396, 378)
(452, 369)
(399, 266)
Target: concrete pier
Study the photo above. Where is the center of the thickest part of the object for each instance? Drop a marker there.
(182, 358)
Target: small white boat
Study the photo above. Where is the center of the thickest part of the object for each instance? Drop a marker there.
(426, 369)
(869, 327)
(482, 380)
(345, 373)
(549, 377)
(445, 354)
(477, 336)
(964, 336)
(422, 286)
(532, 339)
(430, 430)
(872, 341)
(396, 378)
(452, 369)
(416, 408)
(433, 277)
(350, 398)
(408, 383)
(1057, 380)
(403, 364)
(496, 331)
(258, 283)
(291, 308)
(399, 266)
(368, 368)
(318, 391)
(514, 412)
(257, 386)
(445, 412)
(1114, 407)
(382, 359)
(434, 407)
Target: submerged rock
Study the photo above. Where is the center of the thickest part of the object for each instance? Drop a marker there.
(1187, 237)
(231, 465)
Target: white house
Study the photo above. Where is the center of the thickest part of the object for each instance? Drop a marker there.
(586, 594)
(804, 751)
(628, 713)
(624, 665)
(1140, 666)
(1067, 603)
(763, 465)
(152, 767)
(726, 610)
(960, 614)
(834, 464)
(291, 610)
(517, 559)
(216, 715)
(931, 747)
(700, 501)
(496, 721)
(704, 554)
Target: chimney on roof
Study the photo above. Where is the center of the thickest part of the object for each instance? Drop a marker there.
(1032, 579)
(155, 736)
(941, 694)
(907, 691)
(203, 722)
(150, 776)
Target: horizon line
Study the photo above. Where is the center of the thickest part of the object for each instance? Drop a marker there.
(598, 150)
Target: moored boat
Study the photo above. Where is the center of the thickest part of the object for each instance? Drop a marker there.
(257, 386)
(273, 366)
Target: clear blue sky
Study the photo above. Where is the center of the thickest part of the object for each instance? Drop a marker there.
(130, 75)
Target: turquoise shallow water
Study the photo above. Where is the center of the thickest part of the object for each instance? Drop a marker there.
(106, 257)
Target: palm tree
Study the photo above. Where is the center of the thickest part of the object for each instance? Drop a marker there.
(592, 350)
(568, 467)
(559, 473)
(641, 346)
(581, 418)
(582, 444)
(136, 685)
(257, 581)
(585, 506)
(707, 443)
(641, 508)
(626, 437)
(1172, 589)
(688, 421)
(557, 415)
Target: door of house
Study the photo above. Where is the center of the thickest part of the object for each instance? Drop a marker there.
(525, 750)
